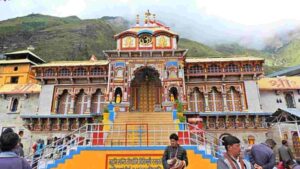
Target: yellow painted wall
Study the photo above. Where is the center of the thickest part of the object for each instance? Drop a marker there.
(97, 159)
(24, 72)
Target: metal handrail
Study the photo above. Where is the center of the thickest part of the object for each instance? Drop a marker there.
(116, 135)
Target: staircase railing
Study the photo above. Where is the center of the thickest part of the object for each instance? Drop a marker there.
(114, 135)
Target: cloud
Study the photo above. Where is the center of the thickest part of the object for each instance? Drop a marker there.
(71, 7)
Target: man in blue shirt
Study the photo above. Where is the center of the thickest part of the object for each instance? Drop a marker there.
(8, 158)
(262, 155)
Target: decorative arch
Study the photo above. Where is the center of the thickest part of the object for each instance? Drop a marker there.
(173, 93)
(138, 69)
(81, 102)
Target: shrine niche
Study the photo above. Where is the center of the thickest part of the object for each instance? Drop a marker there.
(128, 42)
(173, 94)
(163, 41)
(118, 95)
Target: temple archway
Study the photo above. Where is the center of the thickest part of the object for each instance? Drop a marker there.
(146, 90)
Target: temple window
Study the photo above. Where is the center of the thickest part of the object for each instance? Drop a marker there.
(214, 69)
(81, 102)
(233, 100)
(97, 71)
(232, 68)
(118, 95)
(64, 72)
(14, 105)
(97, 101)
(64, 103)
(215, 100)
(80, 72)
(289, 98)
(196, 69)
(14, 79)
(247, 68)
(258, 68)
(49, 72)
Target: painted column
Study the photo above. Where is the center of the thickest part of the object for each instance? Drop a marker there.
(72, 97)
(206, 102)
(243, 101)
(55, 104)
(225, 107)
(88, 107)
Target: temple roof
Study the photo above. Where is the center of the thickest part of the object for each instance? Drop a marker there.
(16, 61)
(24, 54)
(74, 63)
(153, 29)
(231, 59)
(20, 88)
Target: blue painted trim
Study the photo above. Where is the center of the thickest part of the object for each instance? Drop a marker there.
(89, 148)
(174, 114)
(145, 31)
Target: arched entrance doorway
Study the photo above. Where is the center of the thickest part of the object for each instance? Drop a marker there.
(146, 90)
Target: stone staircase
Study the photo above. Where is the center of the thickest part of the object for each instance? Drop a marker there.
(141, 128)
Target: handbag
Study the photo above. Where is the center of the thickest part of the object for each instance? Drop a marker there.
(280, 165)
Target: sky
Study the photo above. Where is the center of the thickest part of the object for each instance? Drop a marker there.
(247, 22)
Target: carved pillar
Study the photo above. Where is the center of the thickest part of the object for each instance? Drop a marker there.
(88, 107)
(188, 99)
(206, 102)
(55, 111)
(243, 101)
(225, 107)
(71, 111)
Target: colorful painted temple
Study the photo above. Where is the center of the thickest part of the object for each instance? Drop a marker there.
(147, 73)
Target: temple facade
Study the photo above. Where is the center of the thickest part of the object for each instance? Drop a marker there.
(147, 72)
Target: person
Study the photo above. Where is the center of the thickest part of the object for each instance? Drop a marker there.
(285, 153)
(292, 165)
(8, 158)
(175, 156)
(232, 159)
(38, 153)
(262, 155)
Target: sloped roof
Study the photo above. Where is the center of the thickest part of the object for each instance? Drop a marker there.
(16, 61)
(286, 72)
(20, 88)
(74, 63)
(34, 56)
(285, 115)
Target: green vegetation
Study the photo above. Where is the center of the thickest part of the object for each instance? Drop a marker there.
(71, 38)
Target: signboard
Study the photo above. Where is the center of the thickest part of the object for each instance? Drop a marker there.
(279, 83)
(134, 161)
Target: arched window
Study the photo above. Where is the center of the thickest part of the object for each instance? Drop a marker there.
(49, 72)
(14, 105)
(64, 72)
(196, 69)
(80, 72)
(97, 101)
(64, 103)
(197, 100)
(233, 100)
(81, 102)
(247, 68)
(215, 100)
(213, 68)
(232, 68)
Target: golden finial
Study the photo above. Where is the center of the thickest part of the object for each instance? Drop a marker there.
(154, 18)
